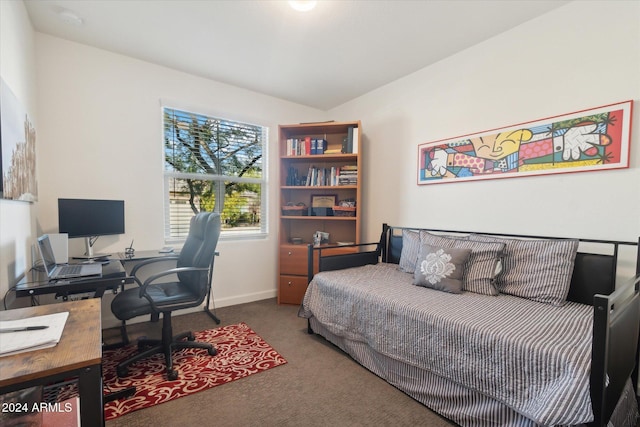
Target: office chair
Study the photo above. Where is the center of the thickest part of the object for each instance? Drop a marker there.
(194, 265)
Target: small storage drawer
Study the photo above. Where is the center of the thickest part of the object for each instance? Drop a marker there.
(293, 260)
(291, 289)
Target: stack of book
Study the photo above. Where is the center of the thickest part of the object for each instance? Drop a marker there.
(348, 175)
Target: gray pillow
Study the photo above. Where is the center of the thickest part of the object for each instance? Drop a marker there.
(538, 270)
(410, 250)
(411, 247)
(441, 268)
(480, 272)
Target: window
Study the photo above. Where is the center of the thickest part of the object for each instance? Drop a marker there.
(213, 164)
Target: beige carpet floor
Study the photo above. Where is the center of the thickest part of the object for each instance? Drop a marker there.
(319, 386)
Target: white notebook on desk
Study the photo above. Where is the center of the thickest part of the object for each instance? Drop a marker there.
(29, 340)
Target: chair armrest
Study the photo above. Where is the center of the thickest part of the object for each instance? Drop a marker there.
(154, 277)
(144, 263)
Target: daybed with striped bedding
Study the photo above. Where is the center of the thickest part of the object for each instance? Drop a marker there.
(489, 347)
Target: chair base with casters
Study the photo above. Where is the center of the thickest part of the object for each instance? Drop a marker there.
(166, 345)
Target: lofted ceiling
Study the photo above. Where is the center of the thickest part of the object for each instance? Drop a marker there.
(322, 58)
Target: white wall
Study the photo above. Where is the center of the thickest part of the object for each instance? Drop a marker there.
(582, 55)
(17, 68)
(100, 137)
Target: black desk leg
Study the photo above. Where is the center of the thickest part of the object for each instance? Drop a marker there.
(213, 316)
(90, 390)
(209, 312)
(210, 286)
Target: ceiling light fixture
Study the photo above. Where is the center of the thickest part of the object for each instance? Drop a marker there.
(70, 18)
(303, 5)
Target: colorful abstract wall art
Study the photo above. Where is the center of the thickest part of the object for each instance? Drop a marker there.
(587, 140)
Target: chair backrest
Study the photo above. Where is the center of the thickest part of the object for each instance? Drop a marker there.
(198, 250)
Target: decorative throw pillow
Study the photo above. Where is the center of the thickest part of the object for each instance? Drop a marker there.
(411, 247)
(538, 270)
(480, 272)
(410, 250)
(441, 268)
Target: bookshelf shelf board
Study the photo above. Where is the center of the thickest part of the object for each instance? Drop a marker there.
(313, 218)
(322, 157)
(319, 187)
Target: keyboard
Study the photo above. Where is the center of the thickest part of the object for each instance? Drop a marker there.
(69, 270)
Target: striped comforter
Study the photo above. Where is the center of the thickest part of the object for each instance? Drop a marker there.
(534, 358)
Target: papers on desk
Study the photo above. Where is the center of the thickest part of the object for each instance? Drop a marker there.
(29, 340)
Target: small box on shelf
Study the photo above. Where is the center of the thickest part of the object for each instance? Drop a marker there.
(348, 211)
(294, 210)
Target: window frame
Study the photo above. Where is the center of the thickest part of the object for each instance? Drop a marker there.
(167, 176)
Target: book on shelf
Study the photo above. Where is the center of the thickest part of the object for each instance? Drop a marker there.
(292, 147)
(331, 176)
(347, 181)
(297, 147)
(294, 178)
(350, 142)
(347, 142)
(354, 141)
(318, 146)
(333, 151)
(305, 146)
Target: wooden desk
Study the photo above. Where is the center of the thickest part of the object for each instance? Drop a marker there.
(78, 354)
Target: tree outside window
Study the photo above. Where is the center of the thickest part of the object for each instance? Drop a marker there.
(214, 165)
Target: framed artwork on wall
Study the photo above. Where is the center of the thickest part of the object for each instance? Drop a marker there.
(17, 149)
(586, 140)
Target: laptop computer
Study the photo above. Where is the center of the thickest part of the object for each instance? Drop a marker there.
(56, 271)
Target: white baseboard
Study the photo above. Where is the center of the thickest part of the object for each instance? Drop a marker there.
(112, 322)
(242, 299)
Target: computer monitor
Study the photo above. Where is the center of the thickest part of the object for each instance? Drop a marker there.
(90, 218)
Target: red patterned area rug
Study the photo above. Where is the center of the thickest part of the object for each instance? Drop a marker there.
(241, 352)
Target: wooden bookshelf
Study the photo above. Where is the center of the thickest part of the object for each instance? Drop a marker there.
(305, 174)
